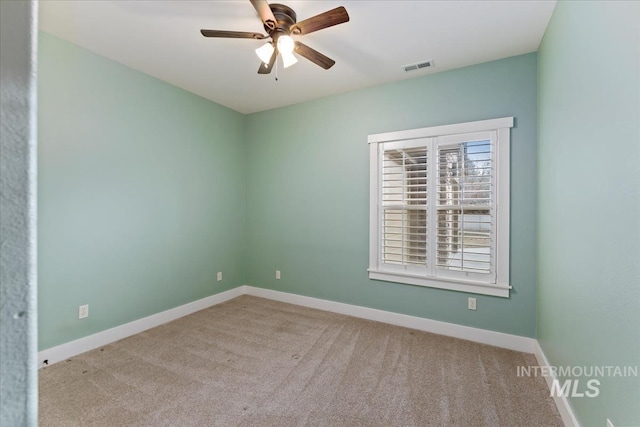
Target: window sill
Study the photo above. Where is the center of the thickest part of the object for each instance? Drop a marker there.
(454, 285)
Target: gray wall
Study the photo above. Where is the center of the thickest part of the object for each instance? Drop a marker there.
(18, 376)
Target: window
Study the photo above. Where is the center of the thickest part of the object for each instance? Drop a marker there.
(440, 207)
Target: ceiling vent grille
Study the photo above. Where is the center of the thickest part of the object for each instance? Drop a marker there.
(421, 65)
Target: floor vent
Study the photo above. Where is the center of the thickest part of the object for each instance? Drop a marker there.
(418, 66)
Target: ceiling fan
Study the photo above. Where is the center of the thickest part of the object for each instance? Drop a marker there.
(280, 23)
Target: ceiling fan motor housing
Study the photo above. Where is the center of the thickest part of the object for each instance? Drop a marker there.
(285, 16)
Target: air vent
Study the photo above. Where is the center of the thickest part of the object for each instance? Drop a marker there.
(413, 67)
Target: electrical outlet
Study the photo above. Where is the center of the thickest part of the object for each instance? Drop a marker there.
(219, 276)
(83, 311)
(277, 274)
(471, 303)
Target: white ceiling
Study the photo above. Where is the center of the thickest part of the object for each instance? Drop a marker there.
(162, 39)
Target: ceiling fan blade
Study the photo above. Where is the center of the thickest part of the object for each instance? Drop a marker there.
(233, 34)
(263, 9)
(327, 19)
(314, 56)
(266, 69)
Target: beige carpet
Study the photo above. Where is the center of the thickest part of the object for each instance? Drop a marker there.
(255, 362)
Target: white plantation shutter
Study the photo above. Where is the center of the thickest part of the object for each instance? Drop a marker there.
(440, 207)
(465, 200)
(404, 205)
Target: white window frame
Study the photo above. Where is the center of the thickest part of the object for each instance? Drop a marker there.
(498, 283)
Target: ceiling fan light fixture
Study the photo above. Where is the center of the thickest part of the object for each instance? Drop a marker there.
(288, 59)
(264, 52)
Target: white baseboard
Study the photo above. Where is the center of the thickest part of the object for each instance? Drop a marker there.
(64, 351)
(562, 403)
(498, 339)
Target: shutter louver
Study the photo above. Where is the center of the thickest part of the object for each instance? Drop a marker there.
(465, 207)
(404, 206)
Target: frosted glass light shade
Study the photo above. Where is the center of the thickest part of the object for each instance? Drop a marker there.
(288, 59)
(264, 52)
(285, 44)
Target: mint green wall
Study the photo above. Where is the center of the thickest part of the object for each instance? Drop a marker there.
(589, 199)
(141, 194)
(308, 191)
